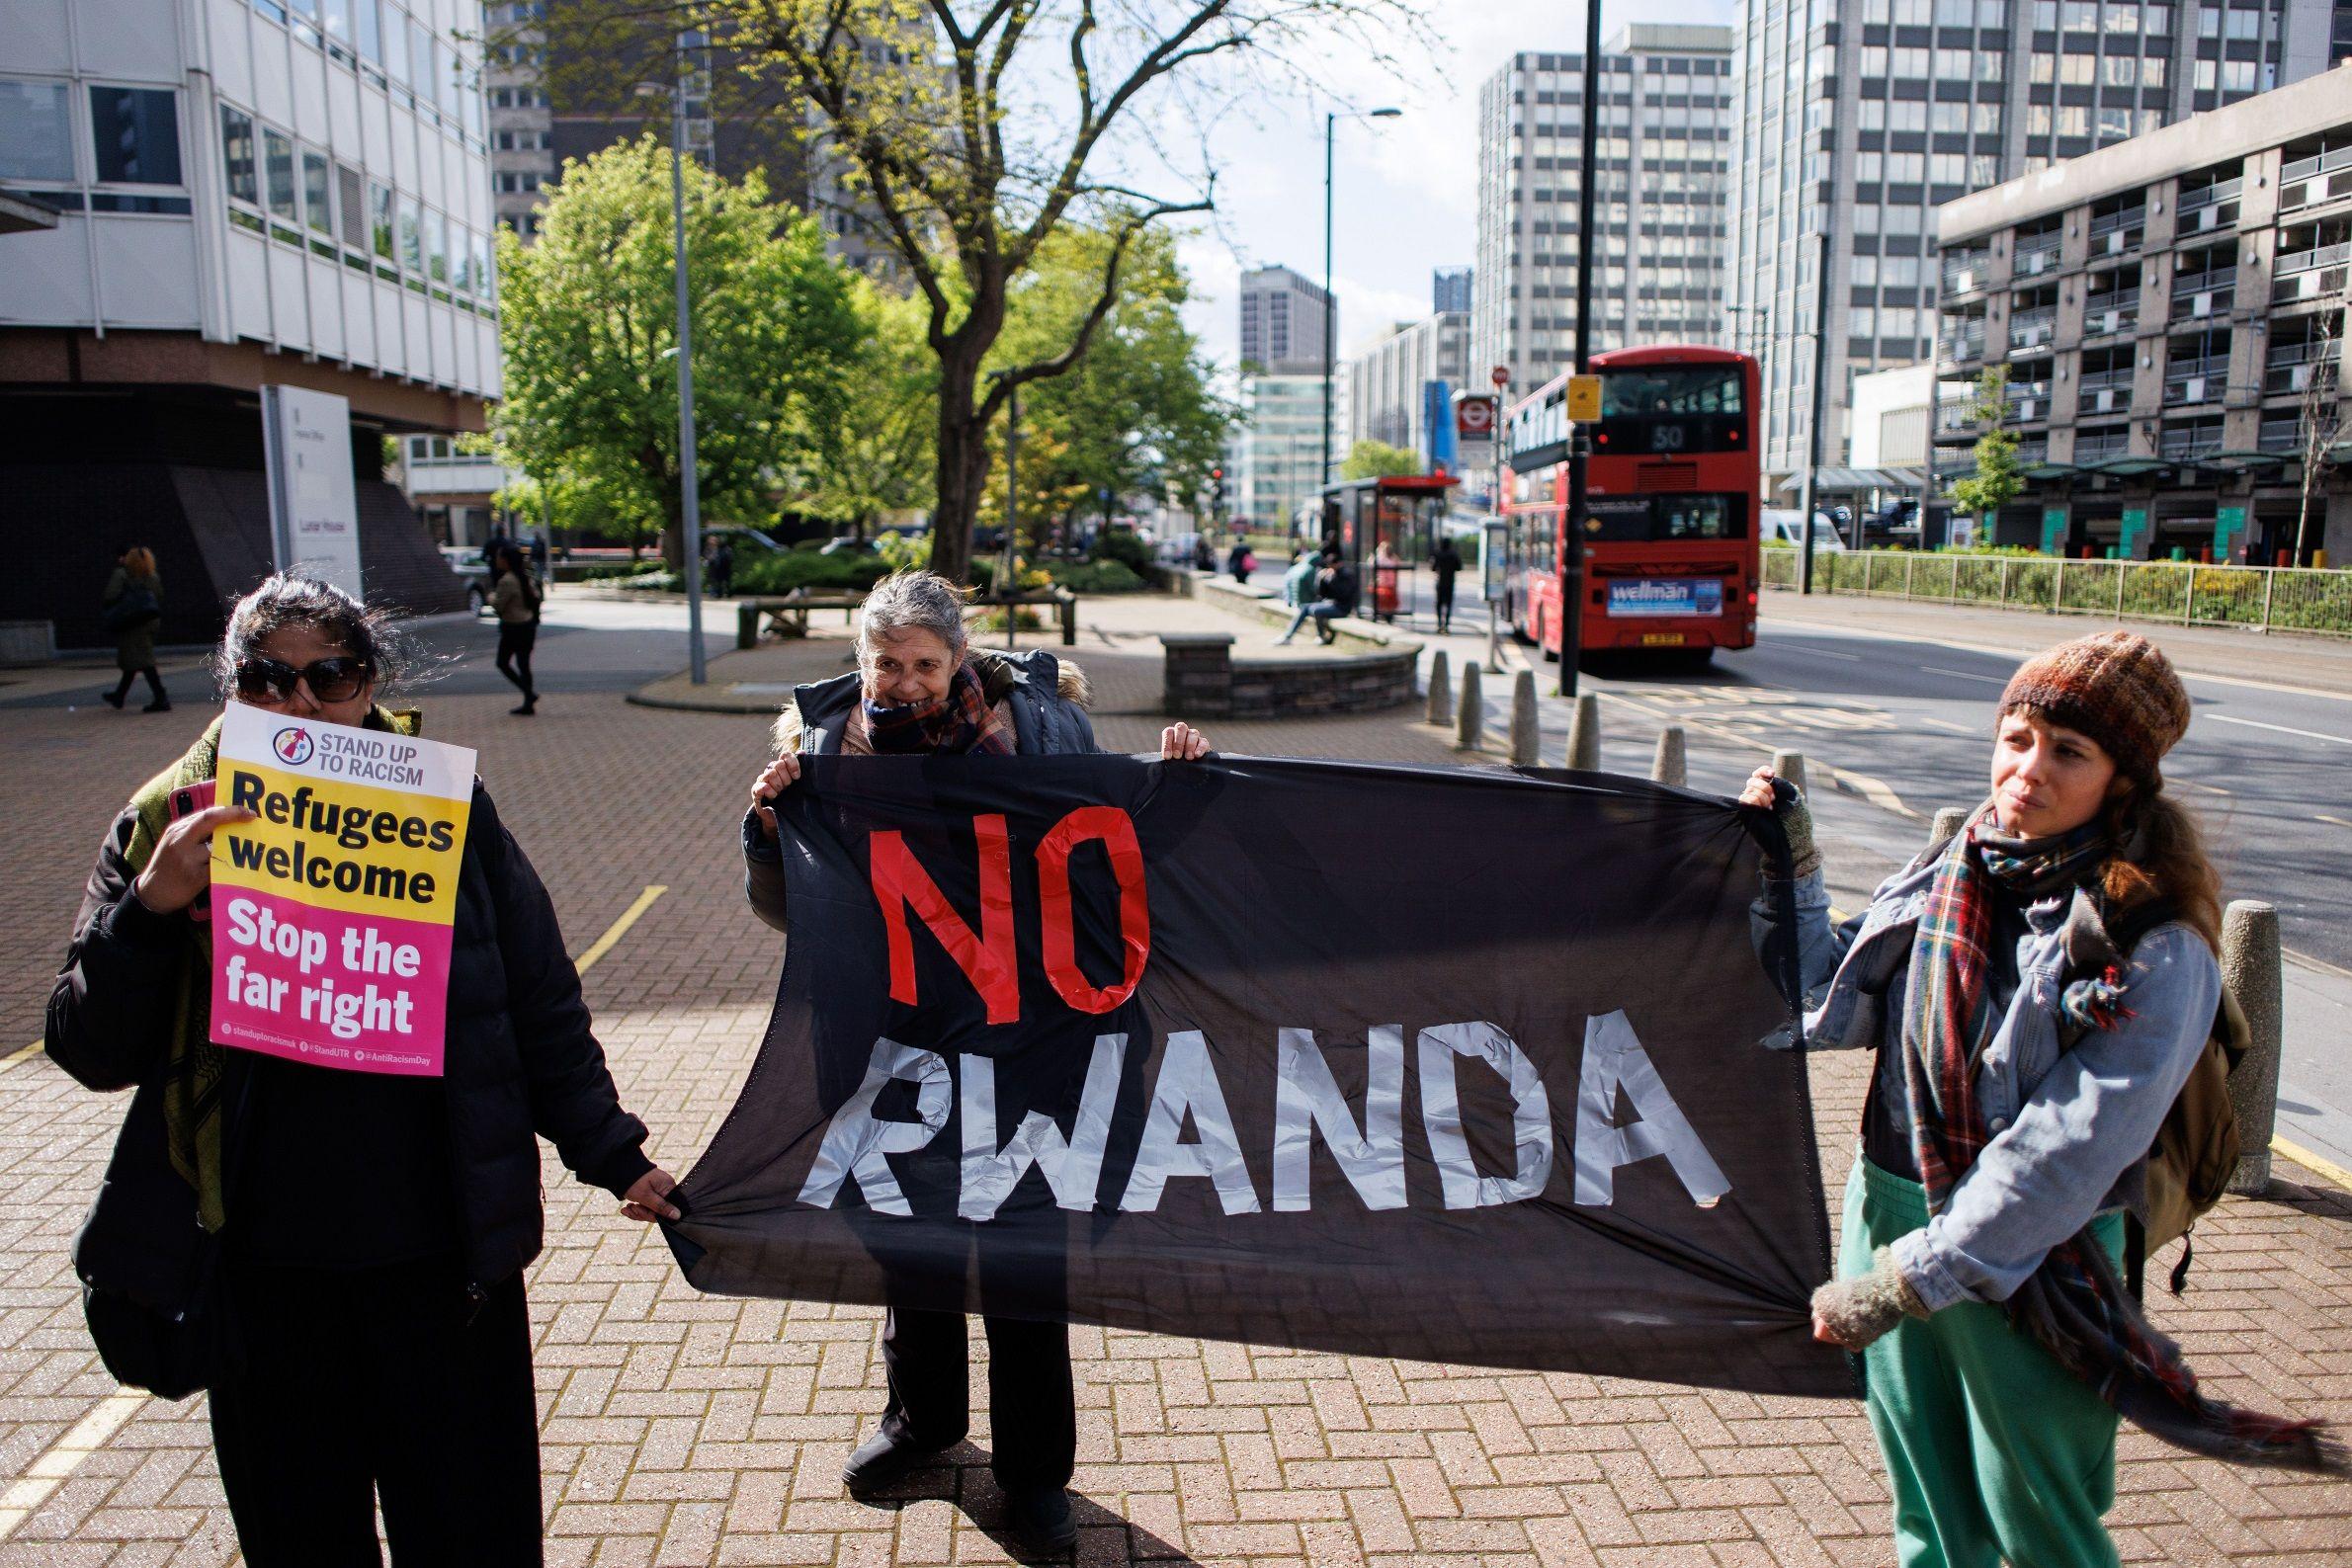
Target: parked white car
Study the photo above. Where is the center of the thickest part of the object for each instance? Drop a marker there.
(1786, 525)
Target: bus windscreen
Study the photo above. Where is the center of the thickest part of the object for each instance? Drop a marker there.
(1650, 519)
(1671, 391)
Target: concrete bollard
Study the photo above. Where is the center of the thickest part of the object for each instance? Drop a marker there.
(1671, 764)
(1526, 736)
(1469, 730)
(2250, 972)
(1790, 764)
(1949, 820)
(1441, 689)
(1584, 735)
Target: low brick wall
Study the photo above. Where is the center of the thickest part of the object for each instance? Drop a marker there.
(1205, 681)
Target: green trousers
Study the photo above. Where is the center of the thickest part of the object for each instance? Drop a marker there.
(1994, 1451)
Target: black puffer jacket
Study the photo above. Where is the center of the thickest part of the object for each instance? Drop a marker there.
(521, 1060)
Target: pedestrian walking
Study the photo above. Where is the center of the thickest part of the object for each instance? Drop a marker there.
(132, 607)
(336, 1254)
(538, 556)
(1242, 562)
(2039, 990)
(516, 598)
(1334, 596)
(722, 566)
(1445, 562)
(920, 689)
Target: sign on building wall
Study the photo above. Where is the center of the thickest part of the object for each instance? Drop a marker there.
(2132, 542)
(2229, 532)
(314, 520)
(2054, 531)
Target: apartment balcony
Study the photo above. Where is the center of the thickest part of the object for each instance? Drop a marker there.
(1965, 344)
(2199, 296)
(2209, 208)
(2105, 315)
(2319, 273)
(1956, 419)
(2303, 261)
(2032, 329)
(2028, 403)
(2309, 181)
(2041, 259)
(2291, 366)
(2107, 392)
(2118, 233)
(2281, 433)
(2186, 446)
(2196, 380)
(2030, 453)
(2101, 447)
(1966, 272)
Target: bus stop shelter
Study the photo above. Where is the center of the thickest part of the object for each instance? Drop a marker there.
(1405, 512)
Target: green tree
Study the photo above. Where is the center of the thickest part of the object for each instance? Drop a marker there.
(1377, 460)
(1999, 478)
(969, 131)
(1136, 416)
(588, 318)
(877, 459)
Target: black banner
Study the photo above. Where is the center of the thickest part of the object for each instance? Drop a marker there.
(1446, 1065)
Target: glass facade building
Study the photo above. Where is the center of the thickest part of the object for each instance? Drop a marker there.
(1664, 159)
(1858, 117)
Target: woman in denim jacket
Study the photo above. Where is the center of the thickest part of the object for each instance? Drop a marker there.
(2024, 1068)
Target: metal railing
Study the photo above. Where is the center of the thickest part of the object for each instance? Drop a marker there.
(2282, 434)
(2033, 329)
(2098, 448)
(2129, 217)
(2303, 261)
(2221, 278)
(2204, 196)
(2041, 259)
(2267, 598)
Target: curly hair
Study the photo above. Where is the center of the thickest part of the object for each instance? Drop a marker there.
(2161, 855)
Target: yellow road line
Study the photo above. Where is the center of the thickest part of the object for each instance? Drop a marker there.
(21, 1053)
(619, 928)
(2333, 821)
(2311, 1161)
(53, 1468)
(1875, 790)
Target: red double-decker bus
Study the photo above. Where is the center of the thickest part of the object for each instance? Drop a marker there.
(1671, 505)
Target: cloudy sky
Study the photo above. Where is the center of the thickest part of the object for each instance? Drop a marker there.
(1405, 188)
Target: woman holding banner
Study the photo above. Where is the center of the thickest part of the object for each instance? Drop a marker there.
(337, 1255)
(920, 689)
(2039, 990)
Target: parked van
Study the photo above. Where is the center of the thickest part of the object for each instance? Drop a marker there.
(1779, 526)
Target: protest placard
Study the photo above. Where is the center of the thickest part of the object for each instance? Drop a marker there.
(332, 909)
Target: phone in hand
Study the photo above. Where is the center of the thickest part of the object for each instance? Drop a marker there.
(185, 801)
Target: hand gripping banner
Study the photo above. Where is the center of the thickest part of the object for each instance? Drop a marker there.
(1453, 1066)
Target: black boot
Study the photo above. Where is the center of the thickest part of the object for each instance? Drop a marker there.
(1040, 1519)
(881, 1461)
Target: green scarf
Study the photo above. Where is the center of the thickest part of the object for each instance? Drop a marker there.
(196, 1070)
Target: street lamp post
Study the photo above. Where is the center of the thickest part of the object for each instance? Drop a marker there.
(689, 478)
(1571, 545)
(1330, 310)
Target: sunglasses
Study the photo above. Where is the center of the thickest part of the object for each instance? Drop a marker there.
(336, 680)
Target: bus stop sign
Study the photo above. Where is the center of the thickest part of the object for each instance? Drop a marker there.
(1584, 398)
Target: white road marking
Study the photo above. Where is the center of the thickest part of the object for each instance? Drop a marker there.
(53, 1468)
(1967, 674)
(2336, 821)
(1945, 724)
(2283, 729)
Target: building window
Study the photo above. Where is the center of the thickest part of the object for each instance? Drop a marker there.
(135, 132)
(36, 133)
(370, 32)
(437, 246)
(349, 204)
(317, 205)
(278, 173)
(412, 239)
(236, 155)
(380, 219)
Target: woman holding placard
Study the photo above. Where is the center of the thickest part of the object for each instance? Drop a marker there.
(336, 1254)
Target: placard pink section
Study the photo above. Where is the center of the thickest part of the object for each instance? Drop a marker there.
(324, 987)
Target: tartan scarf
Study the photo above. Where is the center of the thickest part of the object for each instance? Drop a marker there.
(196, 1070)
(2075, 1305)
(964, 721)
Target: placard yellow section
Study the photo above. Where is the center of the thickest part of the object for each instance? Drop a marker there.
(346, 847)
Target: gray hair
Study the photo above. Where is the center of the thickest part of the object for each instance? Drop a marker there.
(912, 601)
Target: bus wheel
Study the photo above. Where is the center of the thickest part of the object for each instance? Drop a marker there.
(1691, 658)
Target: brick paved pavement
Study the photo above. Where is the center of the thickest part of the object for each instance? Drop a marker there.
(684, 1430)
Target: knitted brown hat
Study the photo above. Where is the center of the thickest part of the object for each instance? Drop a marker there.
(2116, 688)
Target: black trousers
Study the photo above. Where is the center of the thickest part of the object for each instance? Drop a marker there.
(1444, 601)
(516, 638)
(379, 1385)
(1032, 1405)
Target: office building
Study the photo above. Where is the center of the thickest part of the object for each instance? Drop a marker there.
(1390, 382)
(1283, 322)
(1279, 453)
(1858, 118)
(1450, 290)
(1664, 147)
(243, 195)
(2172, 315)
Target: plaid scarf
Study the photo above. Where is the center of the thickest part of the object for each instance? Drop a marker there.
(2075, 1305)
(964, 721)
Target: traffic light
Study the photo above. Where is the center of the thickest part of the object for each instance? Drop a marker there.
(1217, 490)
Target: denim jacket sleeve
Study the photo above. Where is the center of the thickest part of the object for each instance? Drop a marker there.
(2089, 1120)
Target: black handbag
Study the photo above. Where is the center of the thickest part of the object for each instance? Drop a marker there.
(152, 1291)
(134, 607)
